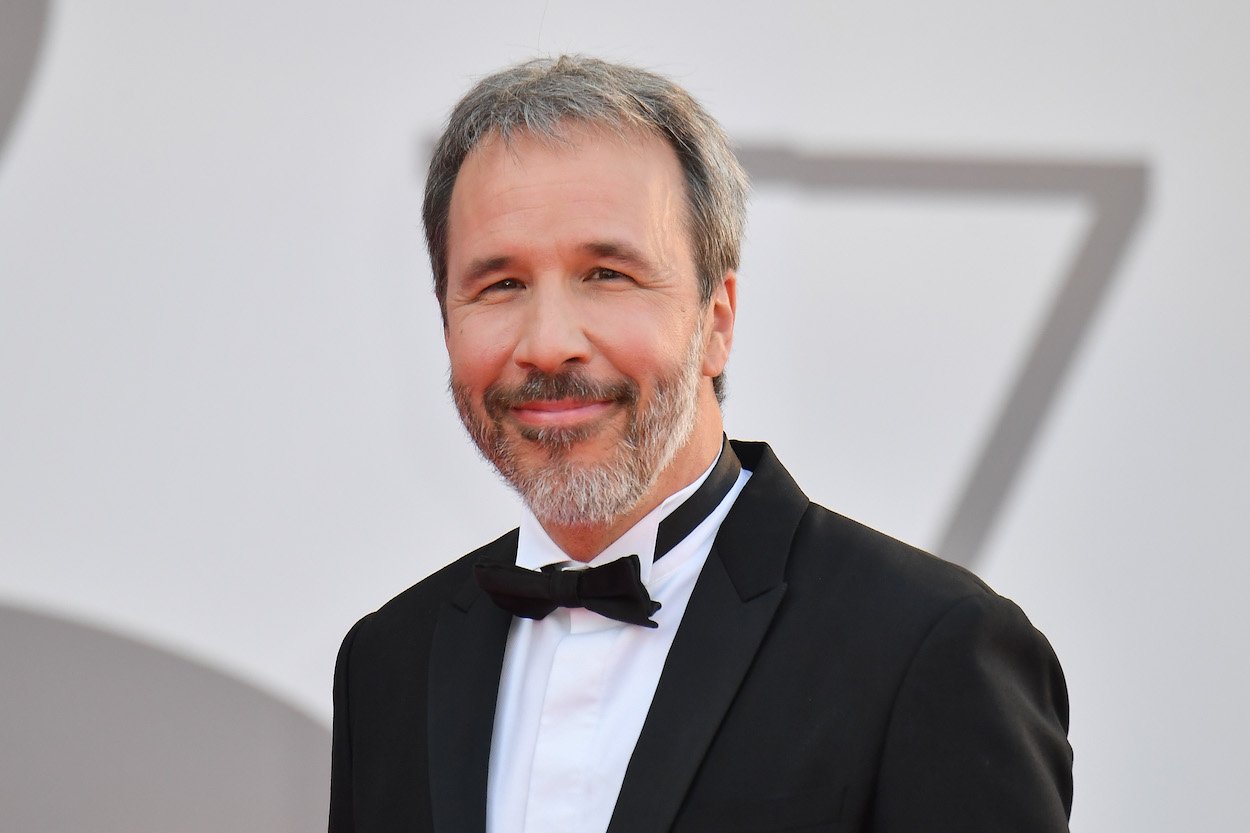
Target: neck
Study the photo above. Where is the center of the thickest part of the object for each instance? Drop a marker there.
(582, 542)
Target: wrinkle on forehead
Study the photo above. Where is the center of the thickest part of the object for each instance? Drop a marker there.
(572, 136)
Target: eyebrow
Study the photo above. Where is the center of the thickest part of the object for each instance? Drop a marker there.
(618, 251)
(484, 266)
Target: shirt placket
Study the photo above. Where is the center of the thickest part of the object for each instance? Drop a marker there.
(564, 770)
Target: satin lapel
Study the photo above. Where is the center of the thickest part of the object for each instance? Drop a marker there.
(733, 603)
(465, 661)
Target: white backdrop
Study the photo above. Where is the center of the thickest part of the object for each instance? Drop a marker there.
(225, 431)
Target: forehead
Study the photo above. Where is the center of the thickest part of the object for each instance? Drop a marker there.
(587, 182)
(571, 143)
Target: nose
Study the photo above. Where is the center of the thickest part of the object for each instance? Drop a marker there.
(553, 336)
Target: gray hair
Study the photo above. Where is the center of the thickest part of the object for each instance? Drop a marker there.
(537, 97)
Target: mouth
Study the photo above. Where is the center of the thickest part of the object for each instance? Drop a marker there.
(560, 413)
(568, 406)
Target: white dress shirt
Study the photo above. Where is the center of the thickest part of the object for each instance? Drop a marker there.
(576, 686)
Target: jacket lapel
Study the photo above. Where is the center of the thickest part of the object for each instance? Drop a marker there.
(729, 613)
(465, 661)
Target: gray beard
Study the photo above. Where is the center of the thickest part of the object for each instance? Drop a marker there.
(564, 492)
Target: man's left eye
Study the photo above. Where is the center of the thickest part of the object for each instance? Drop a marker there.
(602, 274)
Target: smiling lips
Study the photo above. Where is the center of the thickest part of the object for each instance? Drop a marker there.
(565, 401)
(560, 413)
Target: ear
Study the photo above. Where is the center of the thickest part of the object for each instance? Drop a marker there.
(719, 326)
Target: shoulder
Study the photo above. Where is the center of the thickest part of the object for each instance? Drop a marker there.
(844, 577)
(884, 580)
(416, 609)
(877, 564)
(834, 566)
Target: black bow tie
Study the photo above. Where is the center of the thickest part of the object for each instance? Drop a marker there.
(615, 589)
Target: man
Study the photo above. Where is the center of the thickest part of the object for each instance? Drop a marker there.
(675, 639)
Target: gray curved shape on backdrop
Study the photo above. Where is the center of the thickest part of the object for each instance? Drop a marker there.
(101, 733)
(22, 27)
(1116, 192)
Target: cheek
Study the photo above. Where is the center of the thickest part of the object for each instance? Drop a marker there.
(478, 356)
(649, 356)
(474, 369)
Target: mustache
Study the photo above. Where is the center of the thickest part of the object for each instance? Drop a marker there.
(538, 386)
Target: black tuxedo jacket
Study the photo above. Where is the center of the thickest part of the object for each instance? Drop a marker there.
(824, 678)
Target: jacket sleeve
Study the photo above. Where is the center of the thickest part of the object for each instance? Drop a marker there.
(977, 739)
(342, 819)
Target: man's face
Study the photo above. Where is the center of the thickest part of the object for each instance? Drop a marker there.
(580, 351)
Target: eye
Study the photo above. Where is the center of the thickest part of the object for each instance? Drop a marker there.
(604, 274)
(505, 285)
